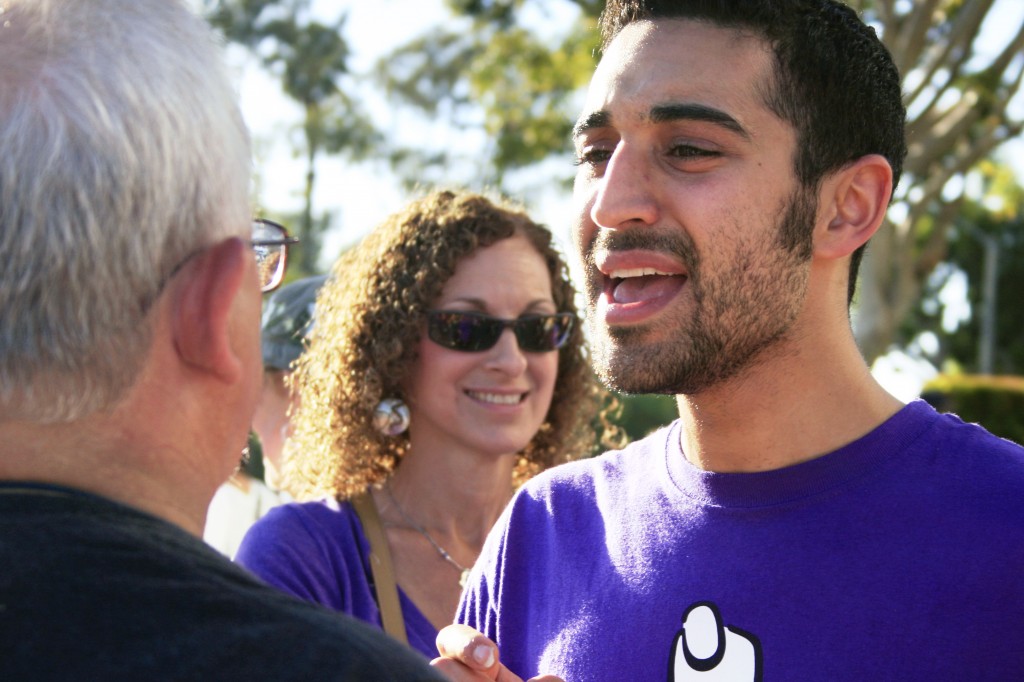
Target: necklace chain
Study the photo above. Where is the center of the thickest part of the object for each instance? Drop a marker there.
(463, 571)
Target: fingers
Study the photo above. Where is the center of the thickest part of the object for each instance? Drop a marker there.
(469, 647)
(468, 656)
(453, 671)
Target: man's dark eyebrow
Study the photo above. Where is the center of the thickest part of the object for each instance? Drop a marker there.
(666, 113)
(597, 119)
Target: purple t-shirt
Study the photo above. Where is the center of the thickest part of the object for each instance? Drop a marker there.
(898, 557)
(318, 552)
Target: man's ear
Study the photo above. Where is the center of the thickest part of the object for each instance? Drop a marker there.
(202, 304)
(856, 197)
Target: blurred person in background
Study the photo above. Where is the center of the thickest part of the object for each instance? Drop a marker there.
(257, 486)
(288, 319)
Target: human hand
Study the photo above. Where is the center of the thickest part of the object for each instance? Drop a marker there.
(468, 656)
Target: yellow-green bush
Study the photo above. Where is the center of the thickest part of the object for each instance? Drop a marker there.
(995, 402)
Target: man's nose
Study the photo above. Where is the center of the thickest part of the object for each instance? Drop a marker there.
(624, 196)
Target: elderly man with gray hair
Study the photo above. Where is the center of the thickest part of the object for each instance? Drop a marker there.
(130, 359)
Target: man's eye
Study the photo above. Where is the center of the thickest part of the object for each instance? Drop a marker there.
(688, 151)
(592, 157)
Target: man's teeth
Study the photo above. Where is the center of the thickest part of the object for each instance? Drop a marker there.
(635, 272)
(496, 398)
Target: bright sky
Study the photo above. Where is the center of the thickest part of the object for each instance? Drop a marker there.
(360, 196)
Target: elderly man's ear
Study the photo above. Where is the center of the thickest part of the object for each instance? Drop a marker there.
(853, 203)
(211, 286)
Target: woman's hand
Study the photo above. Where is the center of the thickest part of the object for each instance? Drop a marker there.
(468, 656)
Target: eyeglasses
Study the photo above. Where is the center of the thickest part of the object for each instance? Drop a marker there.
(472, 331)
(270, 241)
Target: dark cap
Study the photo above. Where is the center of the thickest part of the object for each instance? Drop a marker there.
(287, 321)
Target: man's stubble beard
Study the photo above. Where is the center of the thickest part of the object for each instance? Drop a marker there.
(737, 314)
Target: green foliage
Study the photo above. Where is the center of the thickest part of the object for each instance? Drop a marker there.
(314, 57)
(500, 12)
(521, 86)
(976, 222)
(959, 86)
(630, 418)
(642, 414)
(995, 402)
(488, 70)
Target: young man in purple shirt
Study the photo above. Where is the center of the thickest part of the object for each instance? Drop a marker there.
(796, 521)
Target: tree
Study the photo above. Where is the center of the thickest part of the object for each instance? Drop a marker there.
(990, 339)
(490, 70)
(311, 60)
(957, 95)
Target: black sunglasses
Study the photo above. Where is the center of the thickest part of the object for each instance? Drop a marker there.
(471, 331)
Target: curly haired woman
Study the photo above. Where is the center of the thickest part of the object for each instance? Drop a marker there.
(447, 366)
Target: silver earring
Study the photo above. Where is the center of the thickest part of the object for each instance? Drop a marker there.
(391, 417)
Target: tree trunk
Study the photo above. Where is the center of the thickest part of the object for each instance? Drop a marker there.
(309, 251)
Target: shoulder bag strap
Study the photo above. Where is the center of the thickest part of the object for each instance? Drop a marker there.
(381, 566)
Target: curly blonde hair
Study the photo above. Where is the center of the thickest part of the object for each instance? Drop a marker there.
(369, 317)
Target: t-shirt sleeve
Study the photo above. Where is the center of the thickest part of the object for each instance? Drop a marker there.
(287, 549)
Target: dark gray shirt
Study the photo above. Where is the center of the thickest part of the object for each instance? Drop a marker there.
(94, 590)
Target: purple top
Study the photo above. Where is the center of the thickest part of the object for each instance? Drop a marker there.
(318, 552)
(897, 557)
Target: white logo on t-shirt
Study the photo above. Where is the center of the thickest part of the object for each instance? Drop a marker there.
(705, 649)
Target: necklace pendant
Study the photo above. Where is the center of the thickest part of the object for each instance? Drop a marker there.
(441, 551)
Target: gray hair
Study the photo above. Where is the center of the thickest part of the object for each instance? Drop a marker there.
(122, 152)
